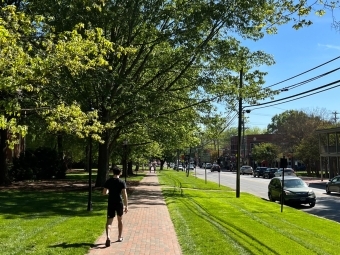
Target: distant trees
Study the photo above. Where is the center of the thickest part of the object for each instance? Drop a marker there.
(295, 134)
(265, 152)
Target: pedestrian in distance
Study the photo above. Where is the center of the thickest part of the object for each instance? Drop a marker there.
(117, 203)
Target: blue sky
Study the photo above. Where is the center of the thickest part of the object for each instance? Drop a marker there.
(296, 51)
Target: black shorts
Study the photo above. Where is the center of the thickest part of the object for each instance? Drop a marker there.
(112, 209)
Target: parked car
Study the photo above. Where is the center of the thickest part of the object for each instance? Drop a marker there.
(288, 172)
(207, 165)
(269, 173)
(180, 167)
(259, 171)
(215, 167)
(295, 191)
(191, 167)
(246, 170)
(333, 185)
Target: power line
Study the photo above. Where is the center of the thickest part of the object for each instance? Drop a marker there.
(337, 85)
(309, 80)
(302, 93)
(303, 72)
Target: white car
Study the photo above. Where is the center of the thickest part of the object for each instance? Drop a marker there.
(191, 167)
(246, 170)
(288, 172)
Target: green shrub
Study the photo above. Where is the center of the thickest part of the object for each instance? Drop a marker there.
(42, 163)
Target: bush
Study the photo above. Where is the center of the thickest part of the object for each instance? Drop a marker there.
(42, 163)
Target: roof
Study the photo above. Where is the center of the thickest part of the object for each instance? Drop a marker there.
(287, 177)
(327, 130)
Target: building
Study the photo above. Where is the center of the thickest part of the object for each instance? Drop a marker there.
(247, 143)
(329, 148)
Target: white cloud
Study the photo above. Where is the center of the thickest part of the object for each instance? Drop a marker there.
(329, 46)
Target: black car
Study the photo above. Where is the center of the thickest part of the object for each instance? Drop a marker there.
(269, 173)
(259, 171)
(215, 167)
(295, 191)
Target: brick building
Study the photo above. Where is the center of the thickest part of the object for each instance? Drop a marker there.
(249, 141)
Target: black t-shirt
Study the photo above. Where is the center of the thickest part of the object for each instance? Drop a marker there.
(115, 186)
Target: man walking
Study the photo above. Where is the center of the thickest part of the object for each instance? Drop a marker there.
(116, 189)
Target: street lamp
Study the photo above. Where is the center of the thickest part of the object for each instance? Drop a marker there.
(244, 138)
(125, 158)
(89, 201)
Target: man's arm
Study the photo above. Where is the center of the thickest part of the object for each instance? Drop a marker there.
(125, 200)
(105, 191)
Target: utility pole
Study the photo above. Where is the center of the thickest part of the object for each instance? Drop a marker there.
(244, 142)
(239, 136)
(335, 117)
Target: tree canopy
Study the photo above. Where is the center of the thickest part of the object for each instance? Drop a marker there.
(126, 69)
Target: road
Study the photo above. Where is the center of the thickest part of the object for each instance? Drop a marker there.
(327, 206)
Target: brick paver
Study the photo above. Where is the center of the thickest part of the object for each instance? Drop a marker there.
(148, 229)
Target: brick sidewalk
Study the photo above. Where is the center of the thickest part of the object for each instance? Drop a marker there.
(148, 229)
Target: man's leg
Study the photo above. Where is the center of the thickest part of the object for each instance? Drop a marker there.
(120, 226)
(108, 230)
(108, 227)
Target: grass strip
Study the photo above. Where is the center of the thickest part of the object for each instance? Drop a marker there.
(210, 220)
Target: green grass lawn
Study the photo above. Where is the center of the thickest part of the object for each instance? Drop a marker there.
(47, 222)
(210, 220)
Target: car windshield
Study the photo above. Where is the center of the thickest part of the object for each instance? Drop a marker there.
(295, 183)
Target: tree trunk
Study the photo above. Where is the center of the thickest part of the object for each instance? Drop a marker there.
(162, 164)
(60, 147)
(130, 171)
(4, 179)
(103, 162)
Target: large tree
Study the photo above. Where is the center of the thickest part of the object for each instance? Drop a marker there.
(265, 152)
(291, 127)
(167, 56)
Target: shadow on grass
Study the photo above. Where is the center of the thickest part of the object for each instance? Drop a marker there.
(15, 204)
(77, 245)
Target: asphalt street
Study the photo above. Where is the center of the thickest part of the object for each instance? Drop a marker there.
(327, 205)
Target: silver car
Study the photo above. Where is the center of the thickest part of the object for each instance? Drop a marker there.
(333, 185)
(246, 170)
(288, 172)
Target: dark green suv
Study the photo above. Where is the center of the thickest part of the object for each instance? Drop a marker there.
(295, 191)
(259, 171)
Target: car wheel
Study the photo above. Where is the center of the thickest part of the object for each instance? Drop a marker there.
(327, 190)
(312, 204)
(271, 199)
(264, 177)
